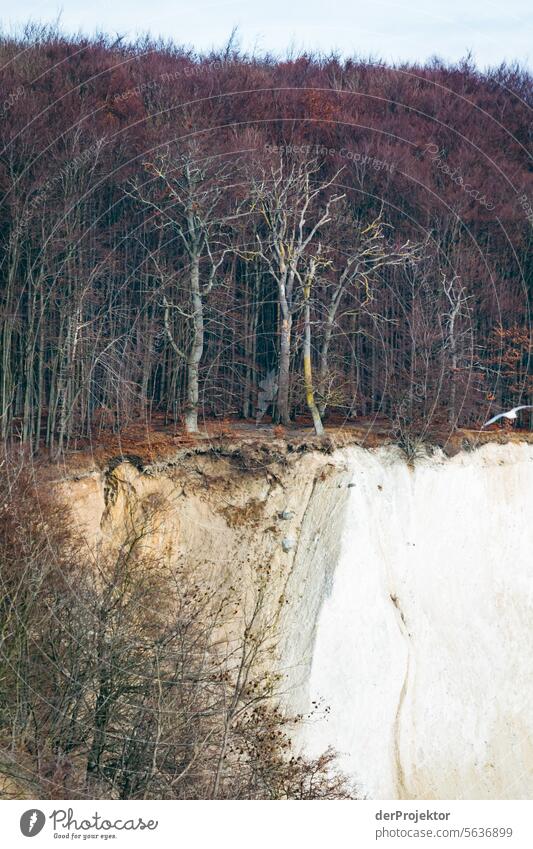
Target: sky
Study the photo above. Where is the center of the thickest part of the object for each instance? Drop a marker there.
(387, 30)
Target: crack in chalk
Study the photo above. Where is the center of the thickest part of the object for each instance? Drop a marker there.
(400, 775)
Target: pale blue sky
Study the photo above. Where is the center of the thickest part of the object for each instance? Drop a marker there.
(386, 29)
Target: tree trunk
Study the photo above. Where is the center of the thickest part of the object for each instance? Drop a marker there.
(453, 386)
(308, 374)
(195, 353)
(454, 360)
(284, 368)
(323, 368)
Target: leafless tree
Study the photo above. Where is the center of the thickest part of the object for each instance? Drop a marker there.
(366, 251)
(289, 200)
(456, 335)
(125, 676)
(186, 197)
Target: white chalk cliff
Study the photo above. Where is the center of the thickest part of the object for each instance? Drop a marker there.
(409, 593)
(418, 606)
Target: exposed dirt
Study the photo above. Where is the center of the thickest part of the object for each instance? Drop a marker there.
(251, 448)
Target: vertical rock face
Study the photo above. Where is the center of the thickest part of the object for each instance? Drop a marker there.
(418, 639)
(402, 598)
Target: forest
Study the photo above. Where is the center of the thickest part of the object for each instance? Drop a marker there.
(248, 241)
(305, 239)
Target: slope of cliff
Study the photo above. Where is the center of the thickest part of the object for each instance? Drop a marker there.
(400, 596)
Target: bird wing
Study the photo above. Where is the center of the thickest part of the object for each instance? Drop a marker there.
(524, 407)
(494, 419)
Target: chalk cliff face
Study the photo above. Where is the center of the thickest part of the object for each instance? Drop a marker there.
(407, 599)
(421, 640)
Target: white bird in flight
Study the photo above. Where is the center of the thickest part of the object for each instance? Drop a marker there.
(510, 414)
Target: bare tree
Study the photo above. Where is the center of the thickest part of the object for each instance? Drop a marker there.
(125, 676)
(368, 251)
(457, 301)
(307, 280)
(287, 197)
(186, 198)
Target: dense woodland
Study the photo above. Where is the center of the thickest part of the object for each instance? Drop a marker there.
(307, 238)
